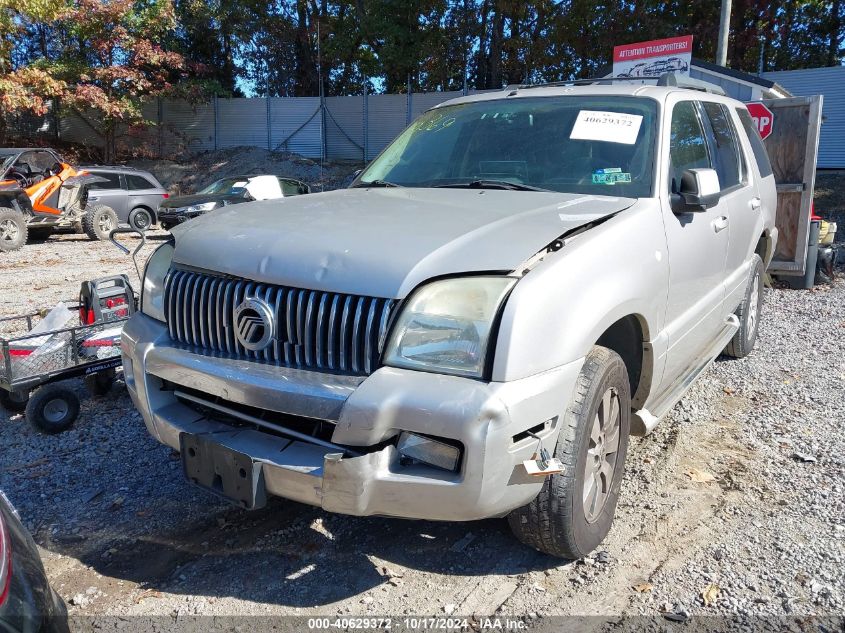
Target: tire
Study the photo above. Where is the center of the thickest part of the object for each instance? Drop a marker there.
(98, 221)
(748, 313)
(99, 384)
(556, 522)
(14, 231)
(39, 235)
(13, 400)
(166, 226)
(52, 409)
(141, 219)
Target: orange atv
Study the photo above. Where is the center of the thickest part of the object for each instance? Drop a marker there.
(40, 193)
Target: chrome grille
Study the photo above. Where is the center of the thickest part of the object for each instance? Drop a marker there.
(314, 329)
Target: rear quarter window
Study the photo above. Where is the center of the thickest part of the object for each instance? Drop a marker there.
(135, 183)
(757, 146)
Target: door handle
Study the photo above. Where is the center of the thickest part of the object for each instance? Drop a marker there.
(755, 203)
(720, 223)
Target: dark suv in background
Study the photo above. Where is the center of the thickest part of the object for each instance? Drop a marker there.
(134, 194)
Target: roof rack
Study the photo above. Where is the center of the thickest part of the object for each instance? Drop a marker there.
(667, 79)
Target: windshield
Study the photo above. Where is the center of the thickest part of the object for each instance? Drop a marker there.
(581, 144)
(7, 160)
(226, 185)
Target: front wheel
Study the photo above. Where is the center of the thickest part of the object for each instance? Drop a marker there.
(99, 221)
(575, 509)
(13, 230)
(52, 409)
(748, 314)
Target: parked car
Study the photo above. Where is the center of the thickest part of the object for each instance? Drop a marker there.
(134, 194)
(39, 193)
(519, 282)
(27, 602)
(225, 192)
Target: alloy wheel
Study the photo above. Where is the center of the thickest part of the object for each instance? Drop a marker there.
(105, 223)
(600, 465)
(9, 231)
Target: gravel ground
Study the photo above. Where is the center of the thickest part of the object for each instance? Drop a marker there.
(734, 505)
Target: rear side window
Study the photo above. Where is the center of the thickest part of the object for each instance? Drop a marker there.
(727, 157)
(757, 146)
(135, 182)
(687, 144)
(112, 180)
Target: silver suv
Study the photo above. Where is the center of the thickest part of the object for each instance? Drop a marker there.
(519, 282)
(134, 194)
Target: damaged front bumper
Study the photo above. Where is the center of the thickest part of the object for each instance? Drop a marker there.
(359, 470)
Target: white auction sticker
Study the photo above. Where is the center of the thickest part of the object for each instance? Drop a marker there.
(611, 127)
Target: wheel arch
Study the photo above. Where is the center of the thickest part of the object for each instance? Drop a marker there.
(765, 247)
(629, 337)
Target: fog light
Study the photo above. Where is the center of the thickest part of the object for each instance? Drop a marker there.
(428, 451)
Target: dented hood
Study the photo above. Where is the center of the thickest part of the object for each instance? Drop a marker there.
(382, 242)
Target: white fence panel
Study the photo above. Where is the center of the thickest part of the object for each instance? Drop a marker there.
(295, 125)
(242, 122)
(386, 119)
(345, 127)
(186, 127)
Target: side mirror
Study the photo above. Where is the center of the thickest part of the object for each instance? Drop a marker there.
(55, 170)
(699, 190)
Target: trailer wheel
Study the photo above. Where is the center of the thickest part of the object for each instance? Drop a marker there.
(100, 383)
(13, 230)
(52, 409)
(98, 221)
(14, 400)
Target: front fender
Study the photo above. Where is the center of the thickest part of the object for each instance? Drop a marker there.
(557, 312)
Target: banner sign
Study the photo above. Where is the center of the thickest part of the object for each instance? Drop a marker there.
(654, 58)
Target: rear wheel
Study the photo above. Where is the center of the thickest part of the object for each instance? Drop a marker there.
(575, 509)
(13, 230)
(99, 221)
(52, 409)
(748, 314)
(14, 400)
(141, 219)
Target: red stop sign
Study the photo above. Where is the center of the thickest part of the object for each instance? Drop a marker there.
(763, 118)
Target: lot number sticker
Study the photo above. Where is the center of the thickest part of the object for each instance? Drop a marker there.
(611, 127)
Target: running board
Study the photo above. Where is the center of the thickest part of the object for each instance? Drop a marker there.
(644, 421)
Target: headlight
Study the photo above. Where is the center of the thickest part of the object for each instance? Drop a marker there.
(445, 326)
(199, 208)
(152, 292)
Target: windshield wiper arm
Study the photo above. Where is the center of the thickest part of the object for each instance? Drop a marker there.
(492, 184)
(377, 183)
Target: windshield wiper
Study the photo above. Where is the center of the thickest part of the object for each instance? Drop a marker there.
(491, 184)
(377, 183)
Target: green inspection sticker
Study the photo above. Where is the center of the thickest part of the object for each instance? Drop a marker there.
(610, 176)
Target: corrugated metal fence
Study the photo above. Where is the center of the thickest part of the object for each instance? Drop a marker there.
(353, 128)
